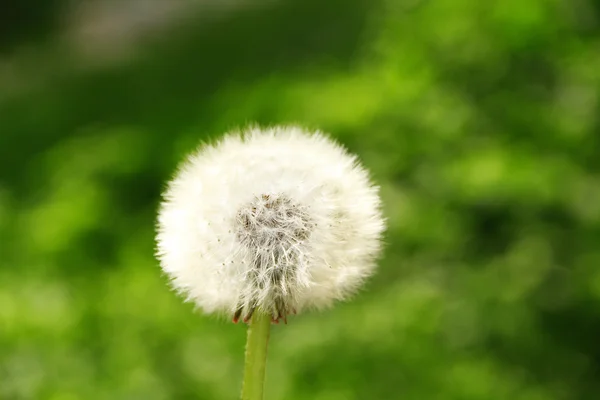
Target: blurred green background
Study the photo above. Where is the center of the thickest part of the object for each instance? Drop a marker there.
(480, 121)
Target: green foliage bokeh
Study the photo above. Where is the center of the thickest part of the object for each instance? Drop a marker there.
(478, 119)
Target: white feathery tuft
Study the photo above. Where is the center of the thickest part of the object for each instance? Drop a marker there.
(279, 219)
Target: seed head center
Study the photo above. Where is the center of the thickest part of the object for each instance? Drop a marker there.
(272, 222)
(272, 227)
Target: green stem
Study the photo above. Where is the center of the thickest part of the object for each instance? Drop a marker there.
(256, 356)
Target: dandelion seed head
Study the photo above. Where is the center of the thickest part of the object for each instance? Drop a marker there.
(280, 219)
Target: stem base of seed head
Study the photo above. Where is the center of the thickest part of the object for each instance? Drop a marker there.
(275, 318)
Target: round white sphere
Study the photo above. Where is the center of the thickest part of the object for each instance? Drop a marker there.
(278, 219)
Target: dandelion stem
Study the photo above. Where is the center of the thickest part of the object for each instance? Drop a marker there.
(256, 356)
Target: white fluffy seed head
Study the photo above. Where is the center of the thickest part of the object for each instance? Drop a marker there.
(279, 219)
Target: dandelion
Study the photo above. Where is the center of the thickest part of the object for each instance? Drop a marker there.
(269, 222)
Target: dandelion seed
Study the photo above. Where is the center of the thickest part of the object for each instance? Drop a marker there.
(279, 219)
